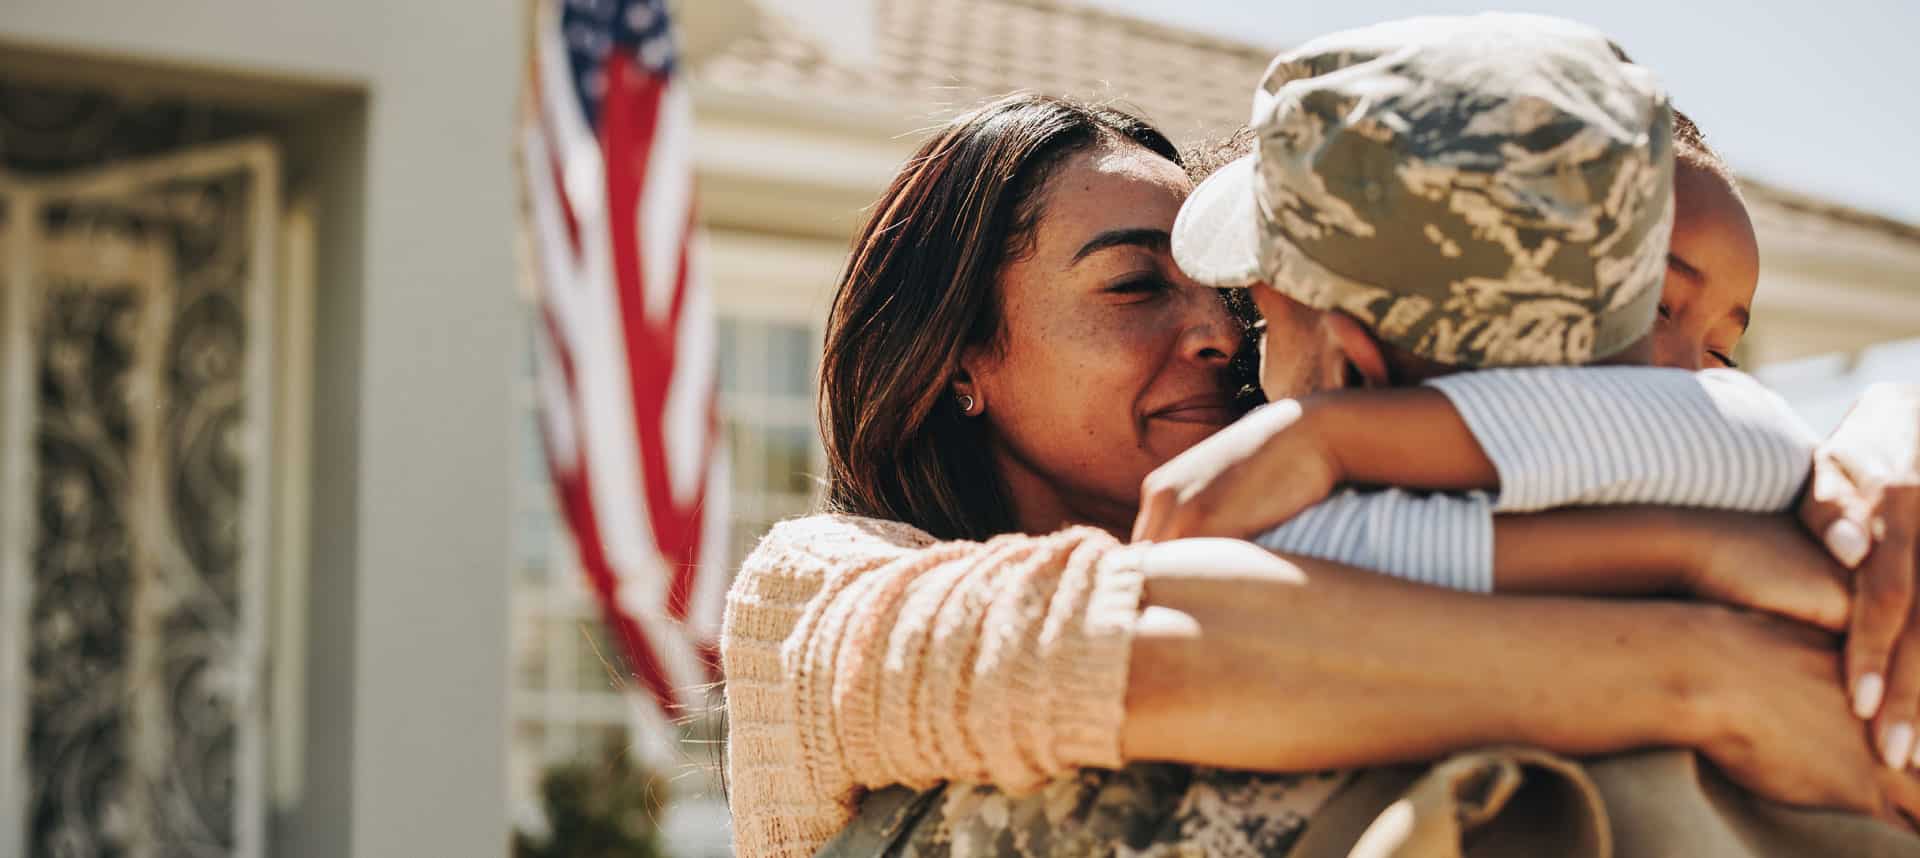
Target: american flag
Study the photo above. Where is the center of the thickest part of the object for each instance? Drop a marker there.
(626, 348)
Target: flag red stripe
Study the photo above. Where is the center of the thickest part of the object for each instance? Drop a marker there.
(576, 505)
(558, 177)
(627, 117)
(628, 123)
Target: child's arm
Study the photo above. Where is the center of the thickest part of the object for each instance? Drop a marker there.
(1439, 539)
(1288, 455)
(1595, 436)
(1544, 437)
(1763, 563)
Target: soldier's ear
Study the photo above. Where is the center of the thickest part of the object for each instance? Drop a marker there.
(1361, 351)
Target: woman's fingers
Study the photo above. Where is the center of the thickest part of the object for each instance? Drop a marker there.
(1882, 606)
(1900, 713)
(1837, 511)
(1901, 807)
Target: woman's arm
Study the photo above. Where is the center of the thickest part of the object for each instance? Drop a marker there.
(1248, 660)
(861, 653)
(1244, 658)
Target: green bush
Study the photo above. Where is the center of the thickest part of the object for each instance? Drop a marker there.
(602, 809)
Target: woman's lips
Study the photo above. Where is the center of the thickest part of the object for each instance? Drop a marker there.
(1214, 409)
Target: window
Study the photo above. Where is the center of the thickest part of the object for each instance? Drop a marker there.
(767, 383)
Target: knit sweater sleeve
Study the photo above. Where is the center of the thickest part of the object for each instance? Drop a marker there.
(861, 653)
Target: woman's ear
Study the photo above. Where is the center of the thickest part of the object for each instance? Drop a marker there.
(962, 387)
(1361, 351)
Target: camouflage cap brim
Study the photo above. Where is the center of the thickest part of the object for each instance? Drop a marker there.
(1216, 238)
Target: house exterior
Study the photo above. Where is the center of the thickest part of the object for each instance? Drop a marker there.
(405, 644)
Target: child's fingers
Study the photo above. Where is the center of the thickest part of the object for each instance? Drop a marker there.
(1154, 501)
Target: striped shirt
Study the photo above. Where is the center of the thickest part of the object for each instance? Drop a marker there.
(1569, 436)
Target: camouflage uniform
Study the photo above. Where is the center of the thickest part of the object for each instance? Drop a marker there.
(1493, 190)
(1146, 810)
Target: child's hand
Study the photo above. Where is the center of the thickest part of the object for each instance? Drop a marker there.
(1250, 476)
(1865, 505)
(1763, 563)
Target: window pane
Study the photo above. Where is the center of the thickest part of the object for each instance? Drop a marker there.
(530, 660)
(534, 540)
(790, 460)
(748, 446)
(792, 355)
(729, 344)
(598, 664)
(530, 735)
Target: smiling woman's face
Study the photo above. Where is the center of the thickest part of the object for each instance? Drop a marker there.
(1108, 361)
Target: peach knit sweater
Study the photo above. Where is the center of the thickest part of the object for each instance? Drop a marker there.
(862, 653)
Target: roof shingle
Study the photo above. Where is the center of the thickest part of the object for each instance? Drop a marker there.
(936, 57)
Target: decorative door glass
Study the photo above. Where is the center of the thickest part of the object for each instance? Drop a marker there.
(135, 378)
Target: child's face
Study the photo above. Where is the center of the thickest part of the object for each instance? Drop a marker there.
(1713, 267)
(1298, 354)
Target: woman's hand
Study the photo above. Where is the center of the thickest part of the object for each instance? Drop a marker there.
(1780, 725)
(1230, 633)
(1865, 505)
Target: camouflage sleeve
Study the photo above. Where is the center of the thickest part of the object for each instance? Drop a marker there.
(1152, 810)
(1439, 539)
(1596, 436)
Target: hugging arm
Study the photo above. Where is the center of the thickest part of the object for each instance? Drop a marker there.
(1246, 659)
(1763, 563)
(1557, 437)
(1540, 437)
(1600, 436)
(860, 654)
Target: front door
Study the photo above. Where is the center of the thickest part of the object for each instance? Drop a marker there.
(136, 363)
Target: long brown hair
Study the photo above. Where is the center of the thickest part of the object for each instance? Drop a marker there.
(919, 288)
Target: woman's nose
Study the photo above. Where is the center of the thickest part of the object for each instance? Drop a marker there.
(1213, 336)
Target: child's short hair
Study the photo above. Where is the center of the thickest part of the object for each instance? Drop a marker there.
(1206, 157)
(1690, 149)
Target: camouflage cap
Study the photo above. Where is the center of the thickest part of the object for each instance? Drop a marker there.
(1492, 190)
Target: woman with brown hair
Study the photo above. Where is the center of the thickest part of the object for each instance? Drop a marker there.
(1010, 352)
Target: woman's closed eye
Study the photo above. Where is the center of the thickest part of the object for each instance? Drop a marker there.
(1140, 288)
